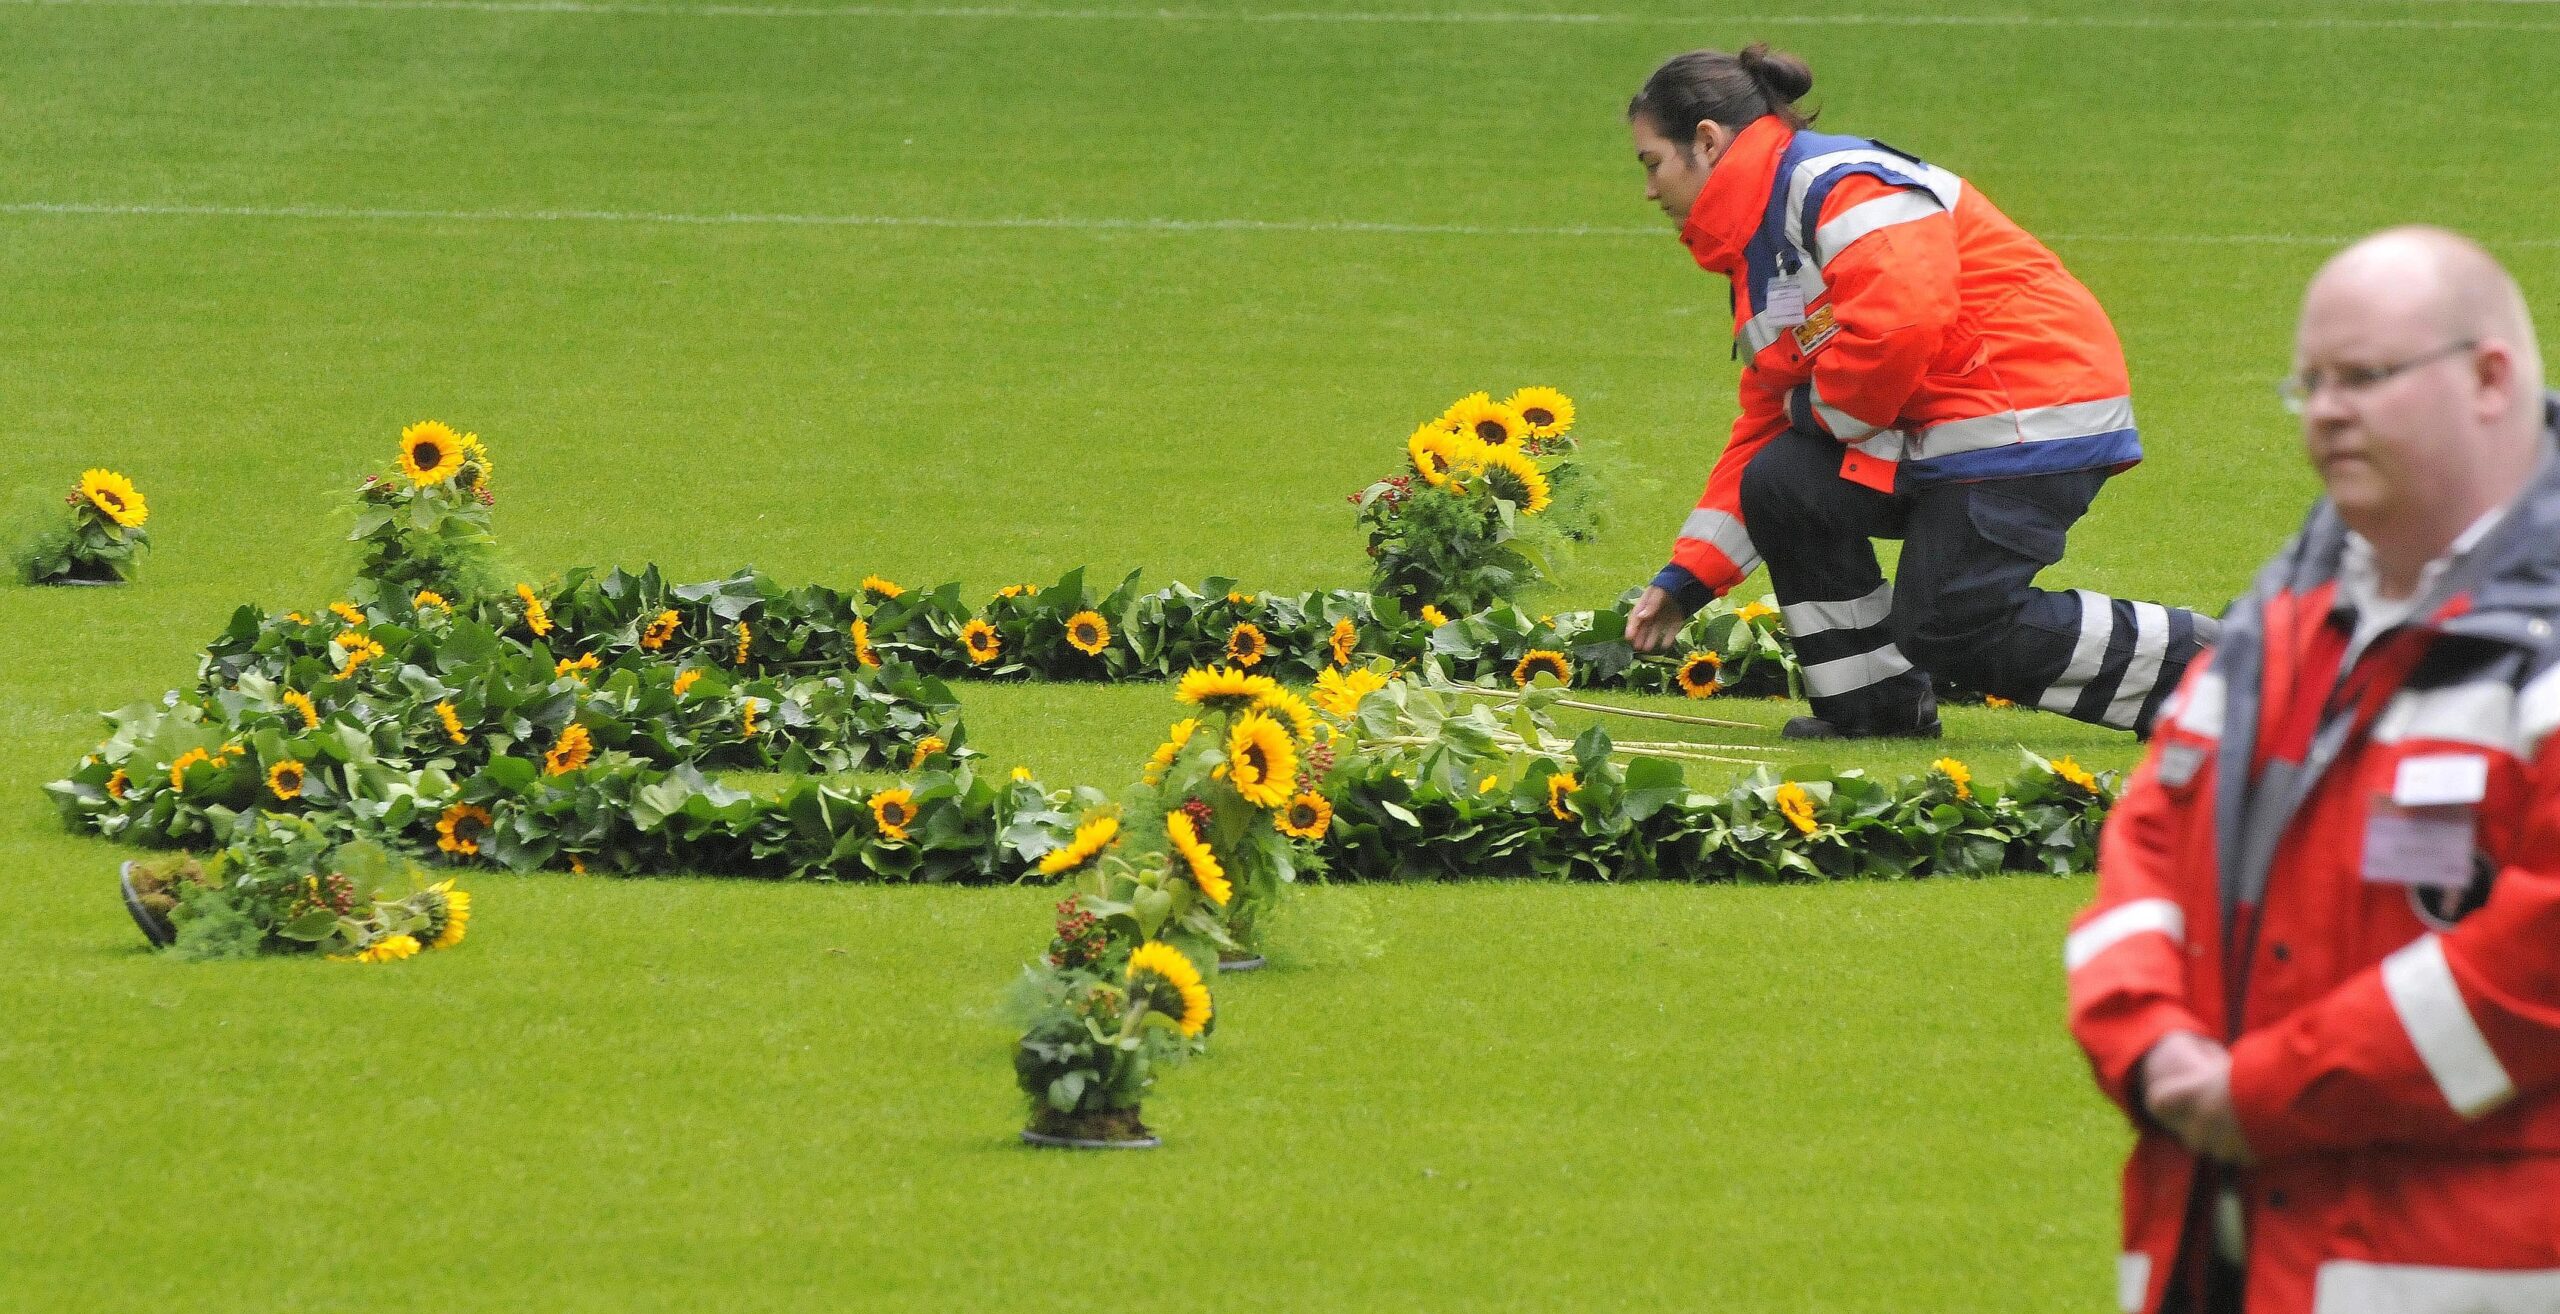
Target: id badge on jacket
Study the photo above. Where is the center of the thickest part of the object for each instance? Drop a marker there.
(2424, 833)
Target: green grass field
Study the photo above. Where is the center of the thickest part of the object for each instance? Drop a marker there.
(963, 294)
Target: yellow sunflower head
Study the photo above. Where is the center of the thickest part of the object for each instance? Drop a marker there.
(894, 810)
(1956, 774)
(1449, 418)
(284, 779)
(1796, 806)
(1088, 633)
(1701, 674)
(685, 680)
(862, 652)
(1091, 839)
(1199, 861)
(1433, 616)
(1290, 708)
(451, 720)
(1222, 688)
(1245, 645)
(303, 707)
(459, 830)
(927, 749)
(449, 914)
(1547, 412)
(431, 452)
(114, 496)
(1171, 748)
(1171, 985)
(1344, 642)
(1340, 692)
(569, 752)
(1489, 422)
(1516, 479)
(1560, 788)
(747, 709)
(2076, 774)
(430, 599)
(389, 949)
(1262, 760)
(980, 639)
(1442, 458)
(1307, 816)
(1752, 611)
(537, 617)
(661, 631)
(880, 588)
(1546, 660)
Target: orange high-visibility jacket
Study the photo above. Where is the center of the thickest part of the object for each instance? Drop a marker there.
(2351, 873)
(1888, 304)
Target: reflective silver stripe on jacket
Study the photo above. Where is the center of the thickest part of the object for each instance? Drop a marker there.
(2036, 424)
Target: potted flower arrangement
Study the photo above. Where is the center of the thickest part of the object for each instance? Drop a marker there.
(98, 543)
(282, 886)
(425, 525)
(1490, 498)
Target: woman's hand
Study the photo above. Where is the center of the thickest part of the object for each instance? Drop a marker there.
(1655, 622)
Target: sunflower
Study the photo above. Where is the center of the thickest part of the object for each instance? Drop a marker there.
(477, 465)
(1088, 633)
(430, 598)
(1245, 645)
(746, 640)
(862, 653)
(1198, 858)
(575, 669)
(1956, 775)
(1172, 972)
(297, 618)
(1442, 458)
(1488, 422)
(537, 617)
(1306, 816)
(1699, 674)
(1796, 806)
(1433, 616)
(1235, 599)
(1520, 481)
(1340, 692)
(1752, 611)
(452, 723)
(1018, 591)
(685, 680)
(449, 919)
(390, 949)
(980, 639)
(303, 707)
(1560, 788)
(1547, 412)
(284, 779)
(660, 631)
(359, 652)
(114, 496)
(1995, 700)
(1547, 660)
(1022, 775)
(1222, 688)
(747, 718)
(569, 752)
(1489, 783)
(1165, 752)
(347, 612)
(927, 749)
(1291, 708)
(430, 453)
(119, 785)
(880, 588)
(2076, 774)
(459, 830)
(1262, 760)
(895, 810)
(1344, 642)
(1449, 418)
(1091, 839)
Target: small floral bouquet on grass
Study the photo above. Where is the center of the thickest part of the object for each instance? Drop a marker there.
(101, 539)
(282, 886)
(425, 525)
(1490, 498)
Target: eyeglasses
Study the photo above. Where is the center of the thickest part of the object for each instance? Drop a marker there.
(2297, 390)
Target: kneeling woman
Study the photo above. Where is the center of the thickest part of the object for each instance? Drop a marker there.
(1916, 367)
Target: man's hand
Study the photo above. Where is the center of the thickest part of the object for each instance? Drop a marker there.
(2186, 1087)
(1655, 622)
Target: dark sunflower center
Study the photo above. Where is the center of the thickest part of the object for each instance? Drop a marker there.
(1538, 415)
(1302, 816)
(1491, 431)
(427, 455)
(108, 497)
(1256, 760)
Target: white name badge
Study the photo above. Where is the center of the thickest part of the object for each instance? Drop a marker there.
(2439, 779)
(2429, 848)
(1786, 302)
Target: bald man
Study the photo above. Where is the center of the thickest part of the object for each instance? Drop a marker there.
(2322, 972)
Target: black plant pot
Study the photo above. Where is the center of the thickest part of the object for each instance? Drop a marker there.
(1254, 964)
(1117, 1129)
(155, 927)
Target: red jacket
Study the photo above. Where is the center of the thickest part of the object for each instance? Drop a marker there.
(1884, 302)
(2353, 877)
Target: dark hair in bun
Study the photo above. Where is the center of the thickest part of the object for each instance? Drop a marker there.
(1734, 90)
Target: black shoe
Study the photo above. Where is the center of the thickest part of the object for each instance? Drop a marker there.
(1814, 727)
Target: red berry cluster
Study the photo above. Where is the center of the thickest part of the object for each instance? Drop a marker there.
(1315, 765)
(1199, 814)
(1080, 940)
(1399, 487)
(333, 892)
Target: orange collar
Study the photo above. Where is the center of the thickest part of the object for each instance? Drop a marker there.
(1730, 207)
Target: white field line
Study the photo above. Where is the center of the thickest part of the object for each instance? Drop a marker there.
(1692, 21)
(1063, 224)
